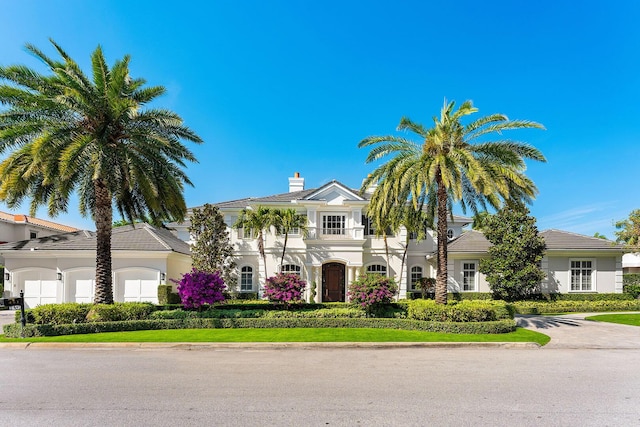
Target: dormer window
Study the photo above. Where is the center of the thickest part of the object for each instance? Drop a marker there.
(449, 234)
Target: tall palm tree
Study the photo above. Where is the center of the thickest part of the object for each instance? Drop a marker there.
(258, 222)
(66, 133)
(287, 220)
(453, 163)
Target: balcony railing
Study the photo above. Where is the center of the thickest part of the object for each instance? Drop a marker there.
(335, 233)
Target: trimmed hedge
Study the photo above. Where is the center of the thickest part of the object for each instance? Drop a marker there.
(72, 312)
(167, 296)
(464, 311)
(462, 296)
(539, 307)
(495, 327)
(269, 314)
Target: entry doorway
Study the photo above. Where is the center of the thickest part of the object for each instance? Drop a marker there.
(333, 280)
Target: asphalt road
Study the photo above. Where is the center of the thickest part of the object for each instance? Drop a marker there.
(320, 387)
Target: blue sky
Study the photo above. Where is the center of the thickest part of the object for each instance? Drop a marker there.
(281, 86)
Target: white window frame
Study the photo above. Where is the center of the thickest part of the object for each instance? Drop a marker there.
(334, 231)
(464, 269)
(581, 268)
(450, 234)
(242, 236)
(412, 282)
(287, 269)
(377, 268)
(241, 278)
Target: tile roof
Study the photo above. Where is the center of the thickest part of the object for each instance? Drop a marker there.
(142, 237)
(474, 241)
(25, 219)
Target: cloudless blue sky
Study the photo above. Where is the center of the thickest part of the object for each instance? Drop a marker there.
(283, 86)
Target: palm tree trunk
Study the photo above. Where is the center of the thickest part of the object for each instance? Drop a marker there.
(261, 250)
(103, 218)
(284, 248)
(404, 257)
(386, 250)
(441, 277)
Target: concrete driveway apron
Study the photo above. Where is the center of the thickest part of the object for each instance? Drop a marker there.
(573, 331)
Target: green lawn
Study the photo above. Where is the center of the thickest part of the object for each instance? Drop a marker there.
(291, 335)
(625, 319)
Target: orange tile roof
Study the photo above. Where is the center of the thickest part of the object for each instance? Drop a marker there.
(18, 218)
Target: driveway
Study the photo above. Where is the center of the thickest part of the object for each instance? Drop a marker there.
(573, 331)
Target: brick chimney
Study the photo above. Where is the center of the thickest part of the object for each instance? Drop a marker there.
(296, 183)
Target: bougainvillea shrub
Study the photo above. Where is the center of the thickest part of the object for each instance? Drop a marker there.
(372, 290)
(285, 288)
(198, 288)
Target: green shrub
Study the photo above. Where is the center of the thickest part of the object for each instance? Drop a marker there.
(495, 327)
(464, 311)
(539, 307)
(461, 296)
(60, 314)
(167, 296)
(631, 285)
(120, 311)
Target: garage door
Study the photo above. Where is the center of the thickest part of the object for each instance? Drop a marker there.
(138, 285)
(81, 284)
(40, 287)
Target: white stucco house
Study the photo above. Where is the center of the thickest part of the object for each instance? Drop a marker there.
(61, 268)
(341, 244)
(573, 263)
(14, 227)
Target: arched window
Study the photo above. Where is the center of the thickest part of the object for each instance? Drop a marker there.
(377, 268)
(415, 276)
(291, 269)
(246, 278)
(449, 234)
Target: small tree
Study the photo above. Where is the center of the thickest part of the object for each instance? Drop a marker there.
(370, 291)
(285, 289)
(427, 285)
(198, 288)
(212, 250)
(629, 231)
(512, 268)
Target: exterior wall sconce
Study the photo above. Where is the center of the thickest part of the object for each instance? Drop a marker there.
(59, 276)
(7, 276)
(163, 276)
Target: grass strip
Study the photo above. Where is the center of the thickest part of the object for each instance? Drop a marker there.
(623, 319)
(291, 335)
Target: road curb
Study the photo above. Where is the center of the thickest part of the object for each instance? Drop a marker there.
(266, 345)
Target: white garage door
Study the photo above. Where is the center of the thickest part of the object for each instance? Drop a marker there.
(138, 285)
(81, 285)
(40, 287)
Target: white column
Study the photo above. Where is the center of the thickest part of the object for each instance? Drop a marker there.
(351, 276)
(316, 273)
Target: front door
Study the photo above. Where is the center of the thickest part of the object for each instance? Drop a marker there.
(333, 282)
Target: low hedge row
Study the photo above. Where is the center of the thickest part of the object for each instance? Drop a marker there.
(495, 327)
(463, 311)
(540, 307)
(328, 313)
(62, 314)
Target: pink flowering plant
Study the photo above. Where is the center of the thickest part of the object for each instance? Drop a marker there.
(371, 291)
(198, 288)
(285, 289)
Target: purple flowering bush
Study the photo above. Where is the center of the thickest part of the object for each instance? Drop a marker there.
(372, 290)
(284, 288)
(199, 287)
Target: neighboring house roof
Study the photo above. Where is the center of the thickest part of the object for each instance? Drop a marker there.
(142, 237)
(25, 219)
(474, 241)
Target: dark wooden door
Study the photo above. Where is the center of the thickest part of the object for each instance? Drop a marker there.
(333, 282)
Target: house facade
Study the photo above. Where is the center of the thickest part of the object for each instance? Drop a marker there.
(15, 227)
(340, 243)
(573, 263)
(62, 267)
